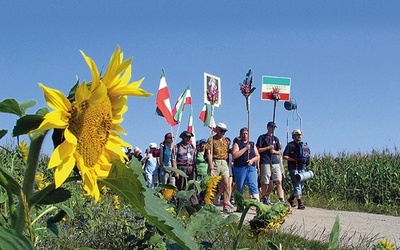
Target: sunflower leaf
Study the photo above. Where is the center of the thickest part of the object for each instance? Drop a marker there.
(3, 132)
(334, 237)
(25, 105)
(26, 124)
(54, 196)
(15, 188)
(37, 197)
(10, 239)
(129, 183)
(208, 219)
(10, 106)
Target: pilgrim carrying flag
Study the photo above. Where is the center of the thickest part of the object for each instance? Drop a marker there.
(191, 128)
(184, 98)
(162, 101)
(205, 116)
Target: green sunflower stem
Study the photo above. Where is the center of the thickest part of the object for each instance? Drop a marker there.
(240, 225)
(29, 177)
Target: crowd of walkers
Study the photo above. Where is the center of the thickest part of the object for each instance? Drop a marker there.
(259, 165)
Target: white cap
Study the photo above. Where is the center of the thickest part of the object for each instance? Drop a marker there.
(297, 131)
(153, 145)
(222, 125)
(137, 150)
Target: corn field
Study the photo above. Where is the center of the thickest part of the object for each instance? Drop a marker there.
(360, 178)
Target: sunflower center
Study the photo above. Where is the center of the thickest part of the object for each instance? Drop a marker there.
(91, 125)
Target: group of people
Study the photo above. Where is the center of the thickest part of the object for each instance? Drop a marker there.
(259, 164)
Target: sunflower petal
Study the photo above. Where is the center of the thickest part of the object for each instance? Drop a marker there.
(56, 99)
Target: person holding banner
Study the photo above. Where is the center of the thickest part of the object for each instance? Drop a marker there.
(218, 149)
(245, 155)
(268, 146)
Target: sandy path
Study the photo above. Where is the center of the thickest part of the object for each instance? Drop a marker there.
(355, 228)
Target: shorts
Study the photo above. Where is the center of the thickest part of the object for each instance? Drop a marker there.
(220, 168)
(269, 172)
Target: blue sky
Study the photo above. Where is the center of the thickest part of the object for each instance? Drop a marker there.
(342, 57)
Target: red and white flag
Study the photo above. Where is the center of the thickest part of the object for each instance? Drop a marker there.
(206, 116)
(162, 101)
(191, 128)
(184, 98)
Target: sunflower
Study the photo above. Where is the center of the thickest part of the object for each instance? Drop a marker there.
(211, 188)
(24, 150)
(91, 122)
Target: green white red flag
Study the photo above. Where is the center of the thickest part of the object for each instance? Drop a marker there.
(163, 105)
(191, 128)
(184, 99)
(206, 116)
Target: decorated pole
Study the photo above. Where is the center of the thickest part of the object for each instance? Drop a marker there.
(246, 90)
(212, 86)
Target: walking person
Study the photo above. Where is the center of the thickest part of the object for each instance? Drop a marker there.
(166, 160)
(183, 158)
(268, 146)
(245, 155)
(297, 154)
(218, 162)
(201, 160)
(150, 166)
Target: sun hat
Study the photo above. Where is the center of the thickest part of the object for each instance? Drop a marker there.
(152, 145)
(185, 133)
(296, 131)
(136, 150)
(222, 126)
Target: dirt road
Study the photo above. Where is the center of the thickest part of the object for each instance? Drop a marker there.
(355, 228)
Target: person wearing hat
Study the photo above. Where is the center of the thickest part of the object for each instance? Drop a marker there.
(218, 149)
(137, 153)
(295, 165)
(183, 158)
(166, 160)
(151, 166)
(268, 146)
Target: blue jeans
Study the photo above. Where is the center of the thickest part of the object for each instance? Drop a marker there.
(246, 174)
(297, 185)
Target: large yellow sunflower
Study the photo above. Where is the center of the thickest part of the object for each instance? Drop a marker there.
(91, 122)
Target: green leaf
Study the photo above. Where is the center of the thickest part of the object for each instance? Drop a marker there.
(12, 183)
(129, 183)
(185, 195)
(10, 106)
(334, 237)
(252, 90)
(39, 195)
(25, 105)
(3, 132)
(67, 210)
(55, 196)
(26, 124)
(208, 219)
(10, 239)
(53, 229)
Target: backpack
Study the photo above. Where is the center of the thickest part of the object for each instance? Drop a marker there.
(304, 153)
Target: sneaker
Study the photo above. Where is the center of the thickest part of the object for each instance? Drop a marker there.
(227, 210)
(217, 200)
(230, 205)
(267, 202)
(301, 206)
(291, 202)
